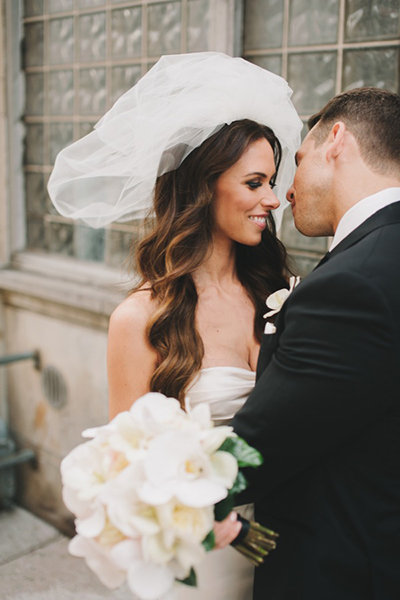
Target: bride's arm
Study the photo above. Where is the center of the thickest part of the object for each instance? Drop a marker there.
(130, 358)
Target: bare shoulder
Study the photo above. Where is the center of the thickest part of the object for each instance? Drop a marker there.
(133, 312)
(131, 359)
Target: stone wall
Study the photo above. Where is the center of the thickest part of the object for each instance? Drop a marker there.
(68, 326)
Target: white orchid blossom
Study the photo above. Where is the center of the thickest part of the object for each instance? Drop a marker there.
(125, 509)
(276, 300)
(98, 558)
(86, 472)
(181, 522)
(177, 466)
(150, 581)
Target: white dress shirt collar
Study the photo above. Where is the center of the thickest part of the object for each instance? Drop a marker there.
(362, 210)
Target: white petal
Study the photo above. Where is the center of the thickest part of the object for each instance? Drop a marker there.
(225, 468)
(189, 555)
(178, 571)
(109, 575)
(83, 469)
(92, 432)
(200, 492)
(156, 407)
(78, 546)
(80, 508)
(92, 525)
(155, 495)
(132, 519)
(168, 537)
(97, 561)
(271, 313)
(145, 525)
(276, 299)
(168, 452)
(155, 551)
(201, 415)
(212, 439)
(269, 329)
(149, 581)
(124, 553)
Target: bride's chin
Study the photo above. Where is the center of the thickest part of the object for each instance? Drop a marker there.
(251, 242)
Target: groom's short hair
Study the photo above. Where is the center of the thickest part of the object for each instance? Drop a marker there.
(373, 117)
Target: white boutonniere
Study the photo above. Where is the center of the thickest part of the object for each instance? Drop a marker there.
(276, 300)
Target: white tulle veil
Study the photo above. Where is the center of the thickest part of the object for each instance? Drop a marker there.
(109, 175)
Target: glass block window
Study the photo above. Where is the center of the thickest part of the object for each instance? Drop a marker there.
(79, 56)
(323, 48)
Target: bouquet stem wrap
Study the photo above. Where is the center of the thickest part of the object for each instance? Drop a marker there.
(254, 541)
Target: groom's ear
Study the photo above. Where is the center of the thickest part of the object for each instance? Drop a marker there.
(336, 140)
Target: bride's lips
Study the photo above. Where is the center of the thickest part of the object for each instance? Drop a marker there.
(259, 220)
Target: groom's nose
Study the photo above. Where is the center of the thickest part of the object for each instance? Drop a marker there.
(290, 194)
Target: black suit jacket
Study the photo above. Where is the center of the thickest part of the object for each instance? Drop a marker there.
(325, 414)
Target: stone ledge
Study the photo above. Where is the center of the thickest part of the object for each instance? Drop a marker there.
(21, 533)
(46, 571)
(83, 303)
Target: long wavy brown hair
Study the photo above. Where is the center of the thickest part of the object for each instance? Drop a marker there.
(181, 240)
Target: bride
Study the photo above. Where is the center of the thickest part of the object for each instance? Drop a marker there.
(192, 327)
(206, 161)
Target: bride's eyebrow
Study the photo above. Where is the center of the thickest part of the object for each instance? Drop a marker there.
(259, 174)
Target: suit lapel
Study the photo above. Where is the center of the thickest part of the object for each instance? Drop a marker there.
(385, 216)
(269, 344)
(267, 349)
(323, 260)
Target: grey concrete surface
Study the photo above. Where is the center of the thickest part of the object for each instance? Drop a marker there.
(35, 564)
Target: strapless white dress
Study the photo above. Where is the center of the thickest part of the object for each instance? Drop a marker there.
(223, 574)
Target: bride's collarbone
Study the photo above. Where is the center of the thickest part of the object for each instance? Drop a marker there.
(216, 307)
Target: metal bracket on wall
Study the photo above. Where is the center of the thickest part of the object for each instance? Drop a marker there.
(12, 358)
(10, 456)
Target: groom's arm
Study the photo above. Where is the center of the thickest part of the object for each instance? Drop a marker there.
(330, 377)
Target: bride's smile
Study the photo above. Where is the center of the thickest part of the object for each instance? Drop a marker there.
(244, 196)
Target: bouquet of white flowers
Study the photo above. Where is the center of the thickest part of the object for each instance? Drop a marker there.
(143, 491)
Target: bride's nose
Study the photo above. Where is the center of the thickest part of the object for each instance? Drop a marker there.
(270, 200)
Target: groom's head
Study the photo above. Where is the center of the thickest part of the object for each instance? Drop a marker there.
(351, 151)
(372, 115)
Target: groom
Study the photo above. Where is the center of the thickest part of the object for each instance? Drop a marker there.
(325, 412)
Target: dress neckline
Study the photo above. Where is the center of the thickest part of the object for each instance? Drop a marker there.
(228, 367)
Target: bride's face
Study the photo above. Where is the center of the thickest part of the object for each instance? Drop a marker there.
(243, 195)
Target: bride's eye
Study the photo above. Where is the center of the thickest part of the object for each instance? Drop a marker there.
(253, 184)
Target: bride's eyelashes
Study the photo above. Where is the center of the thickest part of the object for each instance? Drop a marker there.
(253, 185)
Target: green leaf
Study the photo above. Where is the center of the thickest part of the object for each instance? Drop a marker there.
(223, 508)
(244, 454)
(191, 579)
(239, 485)
(228, 445)
(209, 541)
